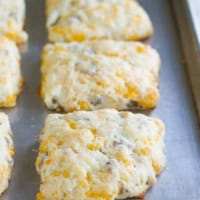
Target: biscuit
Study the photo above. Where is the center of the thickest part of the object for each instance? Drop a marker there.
(99, 74)
(12, 14)
(102, 155)
(6, 152)
(79, 20)
(10, 75)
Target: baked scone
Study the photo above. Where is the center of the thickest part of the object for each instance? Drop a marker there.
(10, 75)
(79, 20)
(12, 14)
(99, 155)
(99, 74)
(6, 152)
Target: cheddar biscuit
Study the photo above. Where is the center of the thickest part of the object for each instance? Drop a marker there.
(79, 20)
(10, 75)
(6, 152)
(12, 14)
(103, 154)
(99, 74)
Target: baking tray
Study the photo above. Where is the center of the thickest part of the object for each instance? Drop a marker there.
(181, 179)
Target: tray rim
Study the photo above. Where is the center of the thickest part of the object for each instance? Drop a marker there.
(190, 46)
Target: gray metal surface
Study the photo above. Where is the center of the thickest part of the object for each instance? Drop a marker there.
(181, 179)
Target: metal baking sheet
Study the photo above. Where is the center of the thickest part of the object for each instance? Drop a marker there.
(181, 179)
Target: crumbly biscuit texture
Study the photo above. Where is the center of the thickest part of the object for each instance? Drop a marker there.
(6, 152)
(79, 20)
(10, 75)
(12, 14)
(99, 155)
(100, 74)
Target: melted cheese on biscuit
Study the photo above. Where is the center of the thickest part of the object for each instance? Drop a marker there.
(79, 20)
(10, 75)
(99, 155)
(99, 74)
(12, 14)
(6, 152)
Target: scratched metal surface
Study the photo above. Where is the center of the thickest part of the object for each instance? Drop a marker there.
(181, 179)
